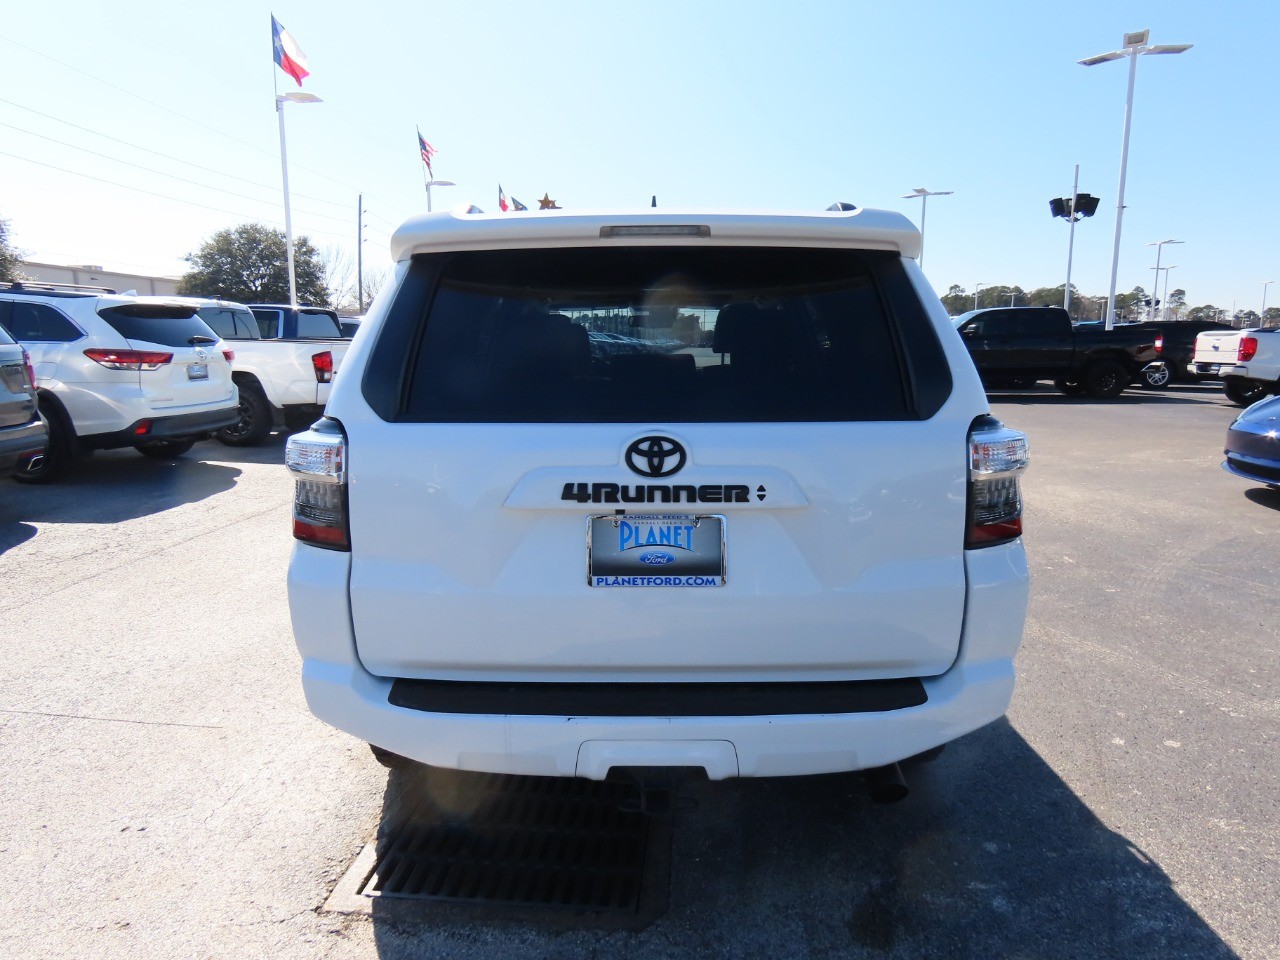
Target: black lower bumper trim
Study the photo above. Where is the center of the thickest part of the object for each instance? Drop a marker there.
(656, 699)
(177, 427)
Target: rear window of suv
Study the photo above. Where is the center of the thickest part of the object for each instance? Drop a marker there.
(672, 334)
(163, 324)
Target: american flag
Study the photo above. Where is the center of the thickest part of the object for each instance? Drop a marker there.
(428, 151)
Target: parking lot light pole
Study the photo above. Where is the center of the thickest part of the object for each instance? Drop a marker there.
(1262, 317)
(436, 183)
(976, 288)
(924, 196)
(1135, 45)
(1159, 244)
(298, 96)
(1164, 301)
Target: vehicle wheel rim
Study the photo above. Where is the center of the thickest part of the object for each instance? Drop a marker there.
(1158, 378)
(242, 426)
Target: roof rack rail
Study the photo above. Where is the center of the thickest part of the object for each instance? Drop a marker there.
(37, 285)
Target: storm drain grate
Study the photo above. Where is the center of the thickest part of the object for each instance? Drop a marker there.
(518, 841)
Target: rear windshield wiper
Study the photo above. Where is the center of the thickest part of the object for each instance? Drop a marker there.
(201, 338)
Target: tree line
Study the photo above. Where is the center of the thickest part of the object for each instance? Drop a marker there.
(1134, 305)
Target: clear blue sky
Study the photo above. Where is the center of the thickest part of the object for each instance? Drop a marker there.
(701, 102)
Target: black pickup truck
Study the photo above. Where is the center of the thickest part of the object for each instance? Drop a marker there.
(1015, 346)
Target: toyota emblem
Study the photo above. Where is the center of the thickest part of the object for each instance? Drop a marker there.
(656, 456)
(200, 354)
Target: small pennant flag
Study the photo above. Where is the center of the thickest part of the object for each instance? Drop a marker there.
(288, 55)
(427, 151)
(502, 200)
(517, 205)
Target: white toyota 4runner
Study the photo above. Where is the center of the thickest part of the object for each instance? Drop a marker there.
(768, 527)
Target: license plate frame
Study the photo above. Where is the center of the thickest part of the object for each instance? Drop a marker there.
(656, 550)
(197, 371)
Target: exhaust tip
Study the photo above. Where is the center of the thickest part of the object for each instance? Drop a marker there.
(34, 463)
(886, 784)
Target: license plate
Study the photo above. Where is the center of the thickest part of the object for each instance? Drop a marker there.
(655, 550)
(197, 371)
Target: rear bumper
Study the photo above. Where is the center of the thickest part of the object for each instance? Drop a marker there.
(1217, 370)
(973, 692)
(177, 427)
(19, 444)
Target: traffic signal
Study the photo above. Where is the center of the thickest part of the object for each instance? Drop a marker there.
(1086, 206)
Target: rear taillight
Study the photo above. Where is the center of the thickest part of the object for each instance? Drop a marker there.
(997, 458)
(323, 364)
(129, 359)
(1159, 344)
(318, 461)
(230, 355)
(31, 373)
(1248, 347)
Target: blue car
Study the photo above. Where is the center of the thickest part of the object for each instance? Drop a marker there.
(1253, 443)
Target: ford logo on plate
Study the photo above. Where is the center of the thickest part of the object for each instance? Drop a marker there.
(655, 559)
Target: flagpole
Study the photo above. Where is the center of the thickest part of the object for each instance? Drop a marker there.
(426, 182)
(288, 213)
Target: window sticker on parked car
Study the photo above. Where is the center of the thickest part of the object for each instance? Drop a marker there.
(658, 550)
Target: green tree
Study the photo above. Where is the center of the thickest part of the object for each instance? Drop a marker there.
(248, 264)
(956, 301)
(1132, 305)
(1206, 312)
(9, 258)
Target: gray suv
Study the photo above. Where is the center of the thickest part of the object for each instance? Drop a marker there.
(23, 437)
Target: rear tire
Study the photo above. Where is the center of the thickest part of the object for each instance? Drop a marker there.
(1105, 380)
(256, 420)
(1070, 388)
(1157, 379)
(165, 449)
(392, 761)
(57, 456)
(1243, 391)
(928, 756)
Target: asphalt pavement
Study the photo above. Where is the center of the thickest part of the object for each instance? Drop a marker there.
(164, 791)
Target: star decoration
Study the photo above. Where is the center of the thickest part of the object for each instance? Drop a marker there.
(546, 203)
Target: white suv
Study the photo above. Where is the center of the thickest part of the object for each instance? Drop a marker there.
(777, 535)
(118, 371)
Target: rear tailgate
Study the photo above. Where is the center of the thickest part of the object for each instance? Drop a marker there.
(771, 388)
(1217, 347)
(17, 395)
(196, 372)
(844, 561)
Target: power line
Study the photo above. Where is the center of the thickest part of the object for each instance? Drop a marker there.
(135, 146)
(163, 196)
(161, 173)
(161, 106)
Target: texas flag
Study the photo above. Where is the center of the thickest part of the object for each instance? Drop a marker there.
(287, 53)
(502, 200)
